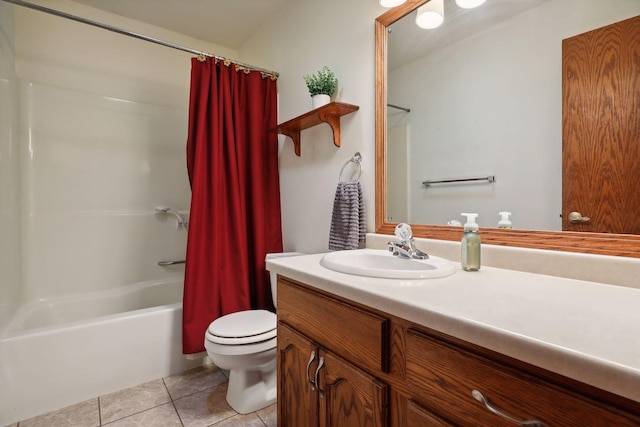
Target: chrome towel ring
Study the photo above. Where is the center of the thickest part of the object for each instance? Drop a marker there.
(357, 159)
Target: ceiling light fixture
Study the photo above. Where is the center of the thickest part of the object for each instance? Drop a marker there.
(391, 3)
(431, 15)
(469, 4)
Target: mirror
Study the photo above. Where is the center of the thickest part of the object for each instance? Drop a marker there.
(612, 244)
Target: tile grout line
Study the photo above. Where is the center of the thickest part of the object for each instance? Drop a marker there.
(99, 413)
(173, 403)
(260, 418)
(135, 413)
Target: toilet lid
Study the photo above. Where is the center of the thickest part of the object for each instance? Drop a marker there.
(257, 324)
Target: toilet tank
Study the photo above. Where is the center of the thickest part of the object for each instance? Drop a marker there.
(273, 275)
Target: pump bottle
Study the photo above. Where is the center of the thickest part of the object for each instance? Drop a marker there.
(470, 244)
(504, 222)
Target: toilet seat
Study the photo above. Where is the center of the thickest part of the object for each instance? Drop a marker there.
(243, 327)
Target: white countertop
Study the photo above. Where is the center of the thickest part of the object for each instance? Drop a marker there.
(583, 330)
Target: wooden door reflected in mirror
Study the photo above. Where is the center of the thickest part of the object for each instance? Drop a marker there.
(601, 129)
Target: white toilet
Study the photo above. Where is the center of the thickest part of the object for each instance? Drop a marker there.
(245, 344)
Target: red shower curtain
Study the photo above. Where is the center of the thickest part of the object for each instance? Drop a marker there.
(234, 220)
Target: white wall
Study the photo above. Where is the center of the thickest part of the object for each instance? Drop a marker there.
(101, 142)
(304, 37)
(491, 105)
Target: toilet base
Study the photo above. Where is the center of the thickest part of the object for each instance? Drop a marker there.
(250, 390)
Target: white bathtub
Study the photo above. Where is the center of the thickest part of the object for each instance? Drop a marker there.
(59, 352)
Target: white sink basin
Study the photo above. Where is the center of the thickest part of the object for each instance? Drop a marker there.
(381, 263)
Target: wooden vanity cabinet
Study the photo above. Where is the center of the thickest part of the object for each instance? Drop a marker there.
(316, 385)
(343, 364)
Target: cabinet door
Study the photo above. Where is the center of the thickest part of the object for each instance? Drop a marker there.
(297, 363)
(349, 397)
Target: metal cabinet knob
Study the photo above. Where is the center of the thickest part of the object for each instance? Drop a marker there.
(577, 218)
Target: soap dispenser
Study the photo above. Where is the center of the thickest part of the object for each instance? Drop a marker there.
(505, 222)
(470, 244)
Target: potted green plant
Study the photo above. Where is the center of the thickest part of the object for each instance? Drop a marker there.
(321, 86)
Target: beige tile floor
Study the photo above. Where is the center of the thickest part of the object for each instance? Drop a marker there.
(195, 398)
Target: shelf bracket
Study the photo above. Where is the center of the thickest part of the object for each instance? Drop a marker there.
(333, 121)
(294, 134)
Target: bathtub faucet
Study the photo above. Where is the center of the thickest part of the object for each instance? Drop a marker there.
(181, 221)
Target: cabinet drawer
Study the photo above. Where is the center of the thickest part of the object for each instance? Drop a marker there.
(417, 416)
(442, 377)
(346, 330)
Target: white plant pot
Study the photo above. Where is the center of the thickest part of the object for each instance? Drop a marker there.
(318, 101)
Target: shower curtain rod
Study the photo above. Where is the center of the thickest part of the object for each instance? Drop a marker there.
(135, 35)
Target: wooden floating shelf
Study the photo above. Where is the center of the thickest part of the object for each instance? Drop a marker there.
(329, 114)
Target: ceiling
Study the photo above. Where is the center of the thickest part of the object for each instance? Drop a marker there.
(228, 23)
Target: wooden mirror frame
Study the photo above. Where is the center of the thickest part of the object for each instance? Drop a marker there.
(595, 243)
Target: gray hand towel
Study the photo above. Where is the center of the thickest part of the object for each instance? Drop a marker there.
(348, 222)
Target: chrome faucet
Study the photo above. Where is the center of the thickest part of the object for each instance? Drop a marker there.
(406, 247)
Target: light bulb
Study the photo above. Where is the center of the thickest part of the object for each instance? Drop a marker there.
(431, 15)
(469, 4)
(391, 3)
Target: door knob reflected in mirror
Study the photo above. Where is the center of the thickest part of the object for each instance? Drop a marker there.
(577, 218)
